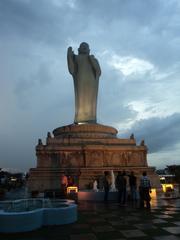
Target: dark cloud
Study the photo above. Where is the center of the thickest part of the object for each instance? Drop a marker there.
(36, 20)
(158, 133)
(37, 90)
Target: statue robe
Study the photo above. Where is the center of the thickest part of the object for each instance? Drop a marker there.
(86, 71)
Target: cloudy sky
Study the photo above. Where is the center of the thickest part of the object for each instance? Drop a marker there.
(137, 43)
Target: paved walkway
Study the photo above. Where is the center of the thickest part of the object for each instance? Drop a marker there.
(99, 221)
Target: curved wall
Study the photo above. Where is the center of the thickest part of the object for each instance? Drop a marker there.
(11, 222)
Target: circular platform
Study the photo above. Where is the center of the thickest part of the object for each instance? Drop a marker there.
(80, 130)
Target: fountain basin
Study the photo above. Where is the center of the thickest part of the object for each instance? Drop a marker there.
(13, 219)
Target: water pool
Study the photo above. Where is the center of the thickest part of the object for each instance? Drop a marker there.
(29, 214)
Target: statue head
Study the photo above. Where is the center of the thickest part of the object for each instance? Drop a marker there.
(84, 48)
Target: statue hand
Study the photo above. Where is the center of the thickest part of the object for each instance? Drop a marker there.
(91, 56)
(95, 65)
(70, 60)
(70, 51)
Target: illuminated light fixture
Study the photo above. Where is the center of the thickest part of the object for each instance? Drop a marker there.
(167, 187)
(72, 189)
(153, 193)
(13, 179)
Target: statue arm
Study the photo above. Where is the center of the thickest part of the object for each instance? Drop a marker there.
(95, 65)
(70, 60)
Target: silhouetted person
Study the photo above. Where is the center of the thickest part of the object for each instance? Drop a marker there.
(144, 191)
(106, 185)
(70, 181)
(133, 186)
(64, 183)
(121, 186)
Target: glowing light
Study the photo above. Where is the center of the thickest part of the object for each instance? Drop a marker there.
(72, 189)
(153, 193)
(13, 179)
(167, 187)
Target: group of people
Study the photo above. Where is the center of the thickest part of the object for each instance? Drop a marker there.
(139, 191)
(121, 183)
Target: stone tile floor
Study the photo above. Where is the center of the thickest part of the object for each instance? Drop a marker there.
(99, 221)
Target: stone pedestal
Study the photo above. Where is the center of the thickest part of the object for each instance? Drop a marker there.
(85, 151)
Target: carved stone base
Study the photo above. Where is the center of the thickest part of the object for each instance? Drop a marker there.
(85, 151)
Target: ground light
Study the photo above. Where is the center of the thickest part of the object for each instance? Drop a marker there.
(153, 193)
(167, 187)
(72, 189)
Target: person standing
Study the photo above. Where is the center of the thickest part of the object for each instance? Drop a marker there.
(70, 181)
(64, 183)
(124, 196)
(106, 185)
(144, 191)
(121, 186)
(118, 183)
(133, 186)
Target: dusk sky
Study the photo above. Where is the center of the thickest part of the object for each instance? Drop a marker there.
(137, 43)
